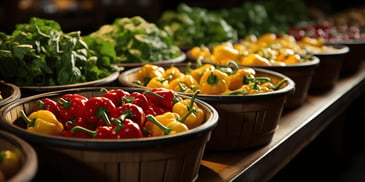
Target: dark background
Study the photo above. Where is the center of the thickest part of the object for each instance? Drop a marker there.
(88, 15)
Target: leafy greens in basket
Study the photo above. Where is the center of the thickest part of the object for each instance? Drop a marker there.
(132, 40)
(40, 54)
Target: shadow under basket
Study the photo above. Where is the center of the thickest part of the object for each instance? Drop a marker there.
(166, 158)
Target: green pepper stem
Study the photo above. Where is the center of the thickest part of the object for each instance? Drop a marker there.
(30, 123)
(92, 133)
(277, 86)
(188, 68)
(182, 88)
(248, 79)
(236, 92)
(64, 103)
(182, 120)
(102, 114)
(104, 90)
(192, 100)
(234, 64)
(41, 104)
(152, 119)
(118, 124)
(153, 93)
(212, 79)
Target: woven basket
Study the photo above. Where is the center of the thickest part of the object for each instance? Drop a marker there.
(244, 121)
(28, 156)
(329, 69)
(9, 92)
(167, 158)
(354, 58)
(302, 75)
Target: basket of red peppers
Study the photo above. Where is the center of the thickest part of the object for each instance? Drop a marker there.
(115, 127)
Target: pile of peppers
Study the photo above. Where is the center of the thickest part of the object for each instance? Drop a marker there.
(116, 114)
(207, 79)
(266, 50)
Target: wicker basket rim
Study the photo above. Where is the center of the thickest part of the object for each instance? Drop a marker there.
(101, 144)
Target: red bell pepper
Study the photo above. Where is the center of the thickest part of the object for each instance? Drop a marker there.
(131, 111)
(77, 134)
(115, 95)
(71, 106)
(141, 100)
(125, 129)
(48, 104)
(162, 97)
(97, 110)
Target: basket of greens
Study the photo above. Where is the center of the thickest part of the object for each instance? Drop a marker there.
(40, 54)
(131, 42)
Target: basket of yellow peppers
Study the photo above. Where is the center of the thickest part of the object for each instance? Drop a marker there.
(303, 61)
(242, 97)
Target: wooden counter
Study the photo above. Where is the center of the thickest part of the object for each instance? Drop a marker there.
(297, 128)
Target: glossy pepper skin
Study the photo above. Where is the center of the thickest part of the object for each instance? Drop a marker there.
(172, 73)
(214, 82)
(224, 53)
(141, 100)
(72, 106)
(162, 97)
(115, 95)
(76, 122)
(237, 79)
(131, 111)
(198, 72)
(43, 122)
(47, 104)
(97, 110)
(149, 71)
(165, 124)
(186, 84)
(119, 130)
(183, 107)
(157, 82)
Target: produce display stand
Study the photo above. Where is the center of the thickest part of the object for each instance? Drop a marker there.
(298, 127)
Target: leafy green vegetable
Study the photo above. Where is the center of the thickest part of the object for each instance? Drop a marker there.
(192, 26)
(130, 40)
(274, 16)
(40, 54)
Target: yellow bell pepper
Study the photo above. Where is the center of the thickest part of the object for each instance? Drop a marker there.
(186, 84)
(198, 72)
(236, 80)
(183, 107)
(43, 122)
(10, 163)
(214, 82)
(157, 82)
(225, 52)
(201, 51)
(253, 59)
(147, 72)
(293, 59)
(172, 73)
(165, 124)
